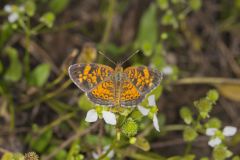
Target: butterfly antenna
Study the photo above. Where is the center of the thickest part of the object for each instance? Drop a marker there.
(106, 57)
(138, 51)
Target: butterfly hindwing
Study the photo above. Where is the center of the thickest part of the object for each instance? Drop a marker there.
(130, 96)
(88, 76)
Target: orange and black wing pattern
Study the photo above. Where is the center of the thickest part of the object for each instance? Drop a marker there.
(103, 93)
(129, 95)
(88, 76)
(143, 80)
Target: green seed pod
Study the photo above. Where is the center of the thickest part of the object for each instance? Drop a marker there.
(130, 127)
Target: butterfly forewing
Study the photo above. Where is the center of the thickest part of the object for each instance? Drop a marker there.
(103, 94)
(88, 76)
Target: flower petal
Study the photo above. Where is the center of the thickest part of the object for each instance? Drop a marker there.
(109, 117)
(143, 110)
(167, 70)
(155, 122)
(151, 100)
(211, 131)
(8, 8)
(13, 17)
(91, 115)
(214, 142)
(229, 131)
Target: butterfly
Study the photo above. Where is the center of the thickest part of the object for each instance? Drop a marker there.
(106, 86)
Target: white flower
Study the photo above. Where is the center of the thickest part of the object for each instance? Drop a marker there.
(229, 131)
(105, 149)
(13, 17)
(151, 100)
(167, 70)
(211, 131)
(91, 116)
(214, 142)
(143, 110)
(155, 122)
(108, 117)
(8, 8)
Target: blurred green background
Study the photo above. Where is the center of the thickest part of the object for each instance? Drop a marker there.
(195, 43)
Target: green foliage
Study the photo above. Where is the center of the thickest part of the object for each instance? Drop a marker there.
(186, 115)
(40, 143)
(40, 75)
(147, 34)
(58, 6)
(30, 8)
(14, 71)
(189, 134)
(221, 153)
(48, 19)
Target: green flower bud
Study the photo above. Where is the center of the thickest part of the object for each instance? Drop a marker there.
(213, 95)
(221, 153)
(132, 140)
(186, 115)
(31, 156)
(130, 127)
(236, 158)
(213, 123)
(189, 134)
(204, 106)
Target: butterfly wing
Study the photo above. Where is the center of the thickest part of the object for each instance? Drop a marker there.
(130, 96)
(141, 80)
(103, 93)
(88, 76)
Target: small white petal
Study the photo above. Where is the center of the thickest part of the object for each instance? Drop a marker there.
(229, 131)
(143, 110)
(21, 8)
(151, 100)
(211, 131)
(109, 117)
(214, 142)
(95, 155)
(155, 122)
(167, 70)
(91, 115)
(110, 154)
(8, 8)
(13, 17)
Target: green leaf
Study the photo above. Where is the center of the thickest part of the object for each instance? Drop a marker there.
(221, 153)
(163, 4)
(30, 8)
(195, 4)
(142, 143)
(40, 75)
(5, 32)
(213, 123)
(58, 6)
(189, 134)
(14, 71)
(84, 103)
(169, 19)
(48, 19)
(213, 95)
(186, 115)
(147, 34)
(41, 142)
